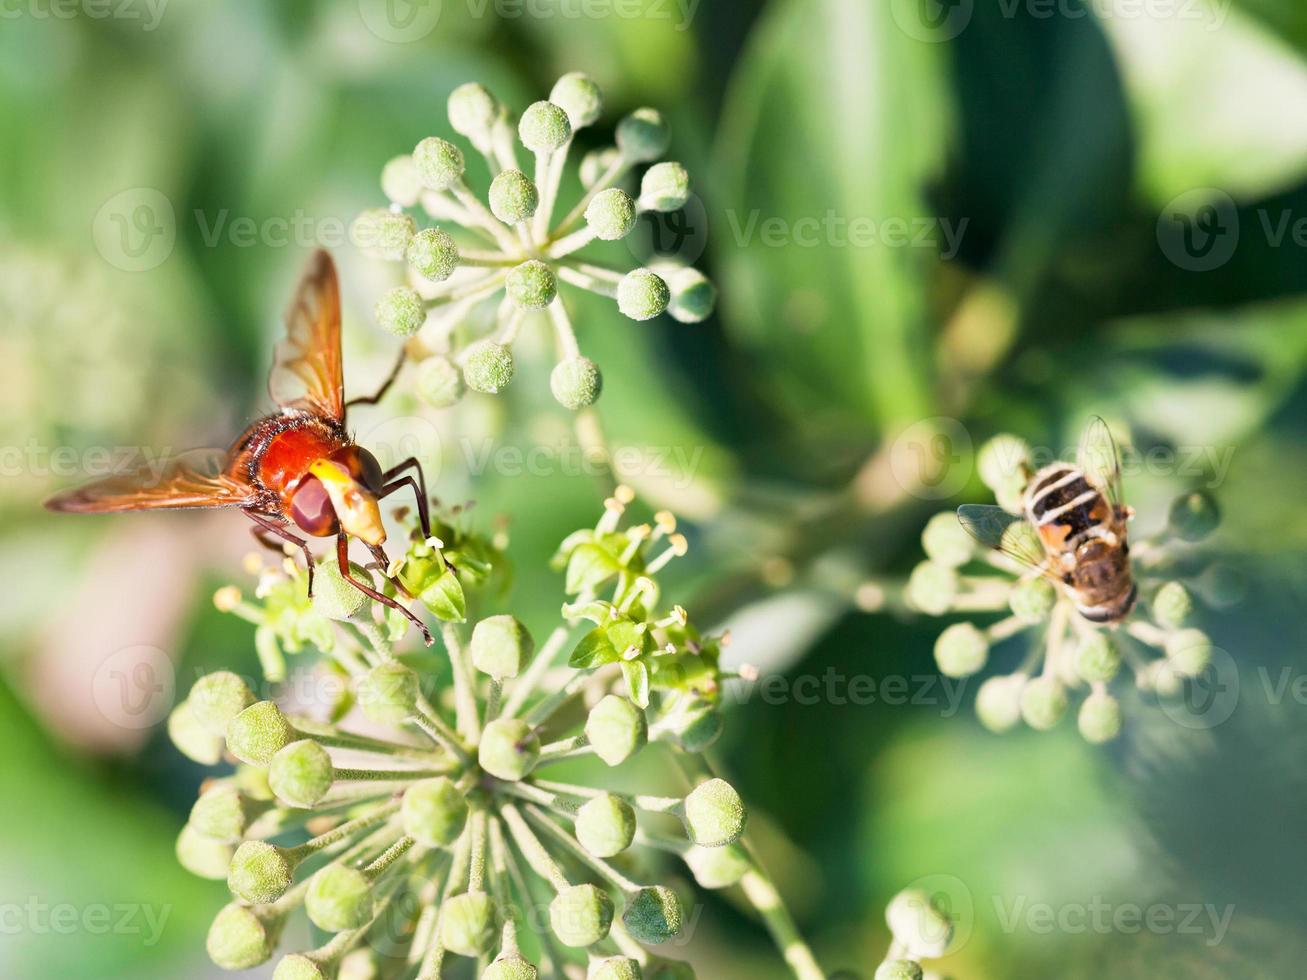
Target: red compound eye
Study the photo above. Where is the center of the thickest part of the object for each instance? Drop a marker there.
(310, 508)
(362, 465)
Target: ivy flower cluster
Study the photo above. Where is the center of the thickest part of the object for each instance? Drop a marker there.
(509, 248)
(419, 822)
(1067, 656)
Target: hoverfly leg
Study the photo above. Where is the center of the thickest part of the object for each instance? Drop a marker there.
(266, 526)
(382, 561)
(385, 385)
(342, 559)
(419, 489)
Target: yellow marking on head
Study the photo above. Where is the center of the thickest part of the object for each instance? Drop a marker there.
(356, 508)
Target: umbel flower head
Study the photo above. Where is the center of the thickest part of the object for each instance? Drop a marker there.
(461, 253)
(421, 822)
(1068, 658)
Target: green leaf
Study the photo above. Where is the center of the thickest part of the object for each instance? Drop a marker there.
(445, 598)
(590, 566)
(594, 650)
(636, 673)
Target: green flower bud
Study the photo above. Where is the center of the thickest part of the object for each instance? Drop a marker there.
(605, 825)
(1043, 702)
(400, 181)
(714, 814)
(217, 698)
(333, 597)
(577, 95)
(642, 294)
(694, 724)
(1194, 516)
(434, 812)
(1032, 599)
(510, 968)
(595, 164)
(932, 588)
(693, 295)
(258, 733)
(946, 542)
(439, 163)
(611, 214)
(469, 923)
(382, 233)
(532, 285)
(439, 382)
(501, 647)
(221, 813)
(487, 366)
(513, 197)
(240, 938)
(718, 867)
(509, 749)
(388, 693)
(961, 650)
(543, 128)
(918, 924)
(473, 112)
(643, 135)
(400, 311)
(260, 872)
(653, 915)
(998, 702)
(1189, 652)
(192, 739)
(1002, 461)
(203, 856)
(1097, 660)
(300, 966)
(301, 773)
(616, 729)
(360, 964)
(1172, 605)
(1100, 718)
(1161, 678)
(576, 383)
(339, 898)
(665, 187)
(899, 970)
(433, 254)
(614, 968)
(581, 915)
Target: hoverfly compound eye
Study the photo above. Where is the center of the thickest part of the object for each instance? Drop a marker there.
(361, 465)
(311, 509)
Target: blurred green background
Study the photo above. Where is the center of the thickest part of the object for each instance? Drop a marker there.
(998, 216)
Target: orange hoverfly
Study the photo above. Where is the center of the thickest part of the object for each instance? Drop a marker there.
(297, 469)
(1080, 521)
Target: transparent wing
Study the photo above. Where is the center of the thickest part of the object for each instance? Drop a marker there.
(193, 480)
(307, 370)
(1100, 459)
(1006, 533)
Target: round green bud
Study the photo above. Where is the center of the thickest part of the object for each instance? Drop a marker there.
(961, 650)
(510, 968)
(1032, 599)
(581, 915)
(469, 923)
(388, 693)
(899, 970)
(1194, 516)
(576, 383)
(1189, 652)
(333, 596)
(998, 702)
(339, 898)
(360, 964)
(434, 812)
(717, 867)
(1161, 677)
(1002, 461)
(1100, 718)
(487, 367)
(643, 135)
(301, 774)
(299, 966)
(544, 127)
(932, 588)
(693, 295)
(473, 112)
(532, 285)
(501, 647)
(439, 382)
(383, 233)
(694, 724)
(400, 181)
(1172, 605)
(918, 924)
(653, 915)
(240, 938)
(260, 872)
(400, 311)
(203, 856)
(946, 542)
(509, 749)
(605, 825)
(220, 813)
(1043, 702)
(714, 814)
(611, 214)
(513, 197)
(433, 254)
(192, 739)
(577, 95)
(217, 698)
(614, 968)
(1097, 659)
(439, 163)
(616, 729)
(260, 731)
(665, 187)
(642, 294)
(596, 163)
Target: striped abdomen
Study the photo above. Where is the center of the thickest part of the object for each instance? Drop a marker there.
(1064, 507)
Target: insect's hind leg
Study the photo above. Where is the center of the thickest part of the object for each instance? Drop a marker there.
(342, 559)
(266, 527)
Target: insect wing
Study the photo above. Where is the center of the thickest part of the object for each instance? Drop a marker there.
(1100, 460)
(1006, 533)
(192, 480)
(307, 370)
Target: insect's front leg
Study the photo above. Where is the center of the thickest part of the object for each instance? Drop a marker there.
(419, 489)
(266, 526)
(342, 560)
